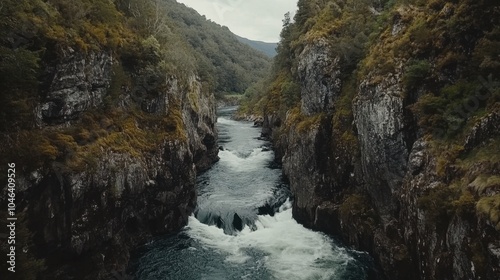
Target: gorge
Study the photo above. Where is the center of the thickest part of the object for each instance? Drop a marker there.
(379, 134)
(243, 226)
(108, 117)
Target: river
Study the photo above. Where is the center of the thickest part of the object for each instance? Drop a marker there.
(243, 226)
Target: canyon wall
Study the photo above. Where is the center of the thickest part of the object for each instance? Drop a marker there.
(117, 179)
(422, 199)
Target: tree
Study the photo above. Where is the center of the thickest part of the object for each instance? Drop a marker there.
(303, 12)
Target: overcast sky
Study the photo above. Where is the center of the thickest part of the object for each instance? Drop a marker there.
(259, 20)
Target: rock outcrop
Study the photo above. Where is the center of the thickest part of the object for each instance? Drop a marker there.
(387, 196)
(119, 199)
(199, 116)
(378, 115)
(319, 75)
(78, 83)
(98, 215)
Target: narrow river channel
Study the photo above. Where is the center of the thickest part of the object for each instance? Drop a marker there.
(243, 226)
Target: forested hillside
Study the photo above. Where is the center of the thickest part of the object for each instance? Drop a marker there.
(385, 115)
(233, 66)
(161, 35)
(268, 48)
(145, 40)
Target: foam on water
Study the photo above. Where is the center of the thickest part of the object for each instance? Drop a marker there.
(239, 180)
(230, 196)
(222, 120)
(244, 161)
(288, 250)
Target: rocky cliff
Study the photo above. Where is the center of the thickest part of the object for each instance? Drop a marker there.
(108, 172)
(365, 157)
(107, 109)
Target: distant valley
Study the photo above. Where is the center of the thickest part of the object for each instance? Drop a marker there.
(267, 48)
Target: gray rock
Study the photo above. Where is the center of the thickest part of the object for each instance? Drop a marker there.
(409, 239)
(199, 116)
(80, 82)
(319, 75)
(485, 129)
(378, 115)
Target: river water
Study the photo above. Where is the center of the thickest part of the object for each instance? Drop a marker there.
(243, 226)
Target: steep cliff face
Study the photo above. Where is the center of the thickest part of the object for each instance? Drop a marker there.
(319, 76)
(399, 158)
(199, 116)
(448, 240)
(78, 83)
(125, 177)
(305, 161)
(379, 119)
(97, 216)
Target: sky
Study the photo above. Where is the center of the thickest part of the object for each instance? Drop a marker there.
(259, 20)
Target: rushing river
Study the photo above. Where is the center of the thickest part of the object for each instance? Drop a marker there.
(243, 226)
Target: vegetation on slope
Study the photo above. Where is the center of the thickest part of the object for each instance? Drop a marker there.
(448, 54)
(268, 48)
(36, 33)
(149, 41)
(229, 65)
(146, 36)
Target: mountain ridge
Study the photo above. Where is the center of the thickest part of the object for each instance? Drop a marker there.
(268, 48)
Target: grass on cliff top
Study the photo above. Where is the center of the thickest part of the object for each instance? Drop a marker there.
(79, 147)
(435, 31)
(411, 41)
(86, 25)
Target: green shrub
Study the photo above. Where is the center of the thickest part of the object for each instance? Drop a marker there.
(487, 52)
(429, 111)
(290, 91)
(448, 154)
(438, 205)
(416, 73)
